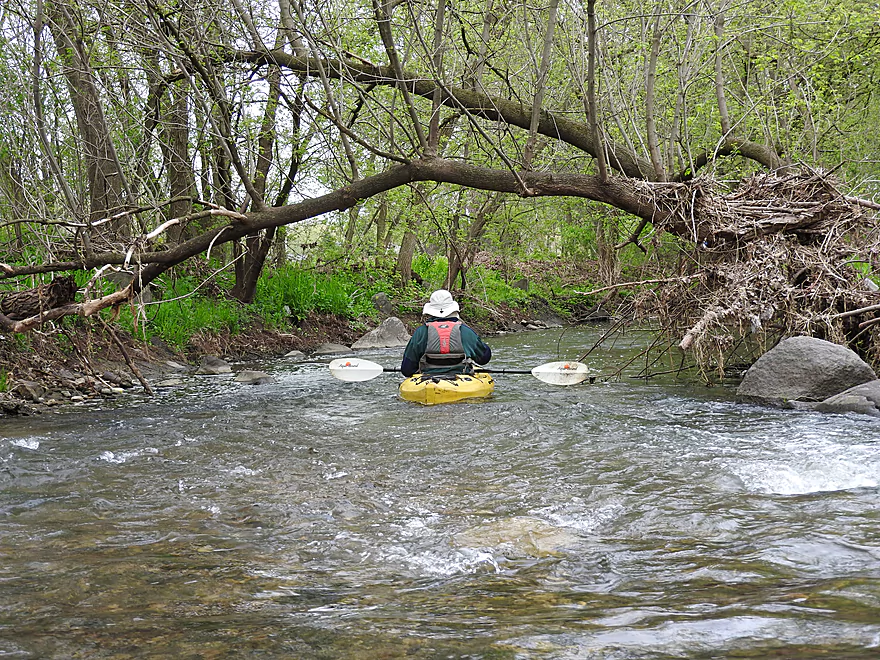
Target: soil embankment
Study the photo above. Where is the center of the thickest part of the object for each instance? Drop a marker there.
(81, 359)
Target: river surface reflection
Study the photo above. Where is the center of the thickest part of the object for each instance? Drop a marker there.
(312, 518)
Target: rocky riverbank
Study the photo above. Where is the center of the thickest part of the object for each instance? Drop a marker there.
(81, 359)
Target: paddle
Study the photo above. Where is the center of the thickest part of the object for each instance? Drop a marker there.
(355, 370)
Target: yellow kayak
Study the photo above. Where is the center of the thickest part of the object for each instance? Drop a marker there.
(426, 390)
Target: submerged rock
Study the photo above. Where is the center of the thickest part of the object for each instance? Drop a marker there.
(253, 377)
(332, 349)
(519, 536)
(170, 382)
(176, 366)
(803, 369)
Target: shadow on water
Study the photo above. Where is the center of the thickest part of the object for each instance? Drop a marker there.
(319, 519)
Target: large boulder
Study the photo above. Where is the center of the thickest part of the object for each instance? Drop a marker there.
(803, 369)
(391, 333)
(864, 398)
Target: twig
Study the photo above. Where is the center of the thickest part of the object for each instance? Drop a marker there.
(868, 204)
(868, 324)
(128, 360)
(856, 312)
(680, 278)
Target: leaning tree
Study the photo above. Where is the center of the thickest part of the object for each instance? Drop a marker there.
(152, 133)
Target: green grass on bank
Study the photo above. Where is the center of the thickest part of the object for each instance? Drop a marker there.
(185, 305)
(196, 300)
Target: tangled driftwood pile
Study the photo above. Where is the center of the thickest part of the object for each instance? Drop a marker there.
(784, 254)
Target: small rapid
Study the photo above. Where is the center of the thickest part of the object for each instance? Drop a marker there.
(313, 518)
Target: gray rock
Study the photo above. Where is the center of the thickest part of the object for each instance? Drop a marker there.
(213, 366)
(391, 333)
(66, 374)
(296, 355)
(383, 304)
(253, 377)
(864, 398)
(331, 349)
(803, 369)
(521, 284)
(519, 536)
(13, 407)
(29, 390)
(176, 365)
(111, 377)
(538, 324)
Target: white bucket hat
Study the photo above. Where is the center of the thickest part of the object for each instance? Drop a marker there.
(441, 304)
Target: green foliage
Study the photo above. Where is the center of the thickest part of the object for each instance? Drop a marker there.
(4, 380)
(294, 293)
(284, 298)
(864, 269)
(185, 312)
(491, 286)
(176, 322)
(431, 269)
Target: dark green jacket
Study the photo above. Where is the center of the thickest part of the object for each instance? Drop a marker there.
(474, 347)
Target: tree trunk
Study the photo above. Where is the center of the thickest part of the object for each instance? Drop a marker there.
(406, 252)
(181, 182)
(106, 179)
(257, 246)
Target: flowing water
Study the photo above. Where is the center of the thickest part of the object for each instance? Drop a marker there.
(312, 518)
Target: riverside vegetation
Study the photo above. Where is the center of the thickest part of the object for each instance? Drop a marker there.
(295, 308)
(711, 167)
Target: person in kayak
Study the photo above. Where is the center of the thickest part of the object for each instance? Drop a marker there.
(443, 345)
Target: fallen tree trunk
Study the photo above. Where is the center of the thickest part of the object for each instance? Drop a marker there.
(32, 302)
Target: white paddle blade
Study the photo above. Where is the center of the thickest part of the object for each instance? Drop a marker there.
(354, 370)
(561, 373)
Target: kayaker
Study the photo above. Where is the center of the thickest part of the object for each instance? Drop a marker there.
(443, 345)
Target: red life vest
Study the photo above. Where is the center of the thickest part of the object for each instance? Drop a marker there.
(444, 350)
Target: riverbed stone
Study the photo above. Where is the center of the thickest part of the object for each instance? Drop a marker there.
(330, 348)
(15, 407)
(803, 369)
(864, 399)
(296, 355)
(30, 390)
(391, 333)
(250, 377)
(518, 536)
(210, 365)
(176, 366)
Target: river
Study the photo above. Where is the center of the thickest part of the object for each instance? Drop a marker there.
(313, 518)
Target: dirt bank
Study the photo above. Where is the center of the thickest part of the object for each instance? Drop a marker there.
(82, 359)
